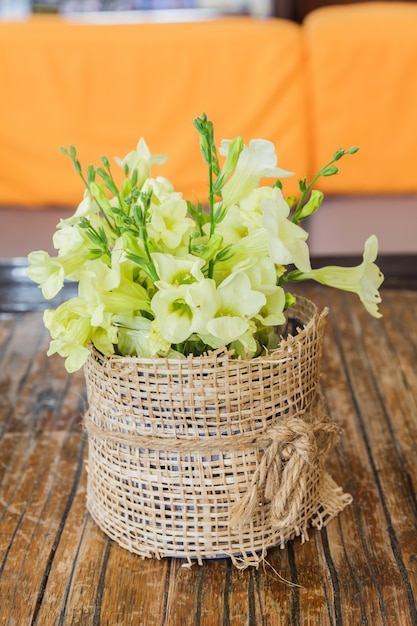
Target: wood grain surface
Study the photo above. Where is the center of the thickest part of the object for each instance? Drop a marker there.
(58, 568)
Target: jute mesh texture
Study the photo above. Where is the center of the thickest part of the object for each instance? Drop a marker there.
(212, 456)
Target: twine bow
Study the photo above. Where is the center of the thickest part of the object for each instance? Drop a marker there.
(282, 474)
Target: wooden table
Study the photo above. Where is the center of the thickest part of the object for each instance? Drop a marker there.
(58, 568)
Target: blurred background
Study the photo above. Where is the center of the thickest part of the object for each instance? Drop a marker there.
(310, 75)
(290, 9)
(21, 7)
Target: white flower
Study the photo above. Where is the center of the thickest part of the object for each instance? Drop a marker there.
(238, 303)
(133, 333)
(364, 279)
(161, 276)
(169, 223)
(141, 160)
(287, 241)
(50, 272)
(272, 314)
(87, 207)
(256, 161)
(183, 310)
(173, 271)
(263, 278)
(47, 272)
(68, 239)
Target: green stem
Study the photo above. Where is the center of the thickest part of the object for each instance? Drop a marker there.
(78, 169)
(306, 191)
(143, 232)
(114, 189)
(144, 236)
(205, 129)
(211, 209)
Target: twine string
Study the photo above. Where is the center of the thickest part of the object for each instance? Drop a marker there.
(282, 474)
(290, 450)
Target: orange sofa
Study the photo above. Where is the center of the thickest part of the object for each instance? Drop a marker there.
(346, 76)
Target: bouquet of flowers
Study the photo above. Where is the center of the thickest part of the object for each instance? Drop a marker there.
(160, 276)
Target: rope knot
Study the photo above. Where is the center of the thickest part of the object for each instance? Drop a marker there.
(281, 477)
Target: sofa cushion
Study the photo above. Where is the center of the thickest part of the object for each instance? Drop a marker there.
(362, 62)
(102, 87)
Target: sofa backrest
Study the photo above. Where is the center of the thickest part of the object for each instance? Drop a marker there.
(362, 69)
(347, 76)
(102, 87)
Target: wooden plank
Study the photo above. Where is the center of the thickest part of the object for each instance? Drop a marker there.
(58, 568)
(76, 582)
(350, 392)
(24, 340)
(38, 495)
(36, 391)
(382, 496)
(134, 589)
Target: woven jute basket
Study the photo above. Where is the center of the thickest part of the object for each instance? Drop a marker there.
(212, 456)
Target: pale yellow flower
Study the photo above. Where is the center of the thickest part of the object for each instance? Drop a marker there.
(272, 314)
(87, 207)
(245, 253)
(237, 304)
(112, 291)
(256, 161)
(141, 160)
(158, 346)
(178, 310)
(161, 276)
(133, 333)
(169, 224)
(287, 241)
(68, 239)
(173, 271)
(364, 279)
(50, 272)
(71, 332)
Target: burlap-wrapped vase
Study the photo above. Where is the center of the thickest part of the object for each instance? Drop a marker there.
(212, 456)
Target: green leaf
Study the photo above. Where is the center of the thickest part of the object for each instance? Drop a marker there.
(93, 236)
(102, 234)
(84, 223)
(192, 210)
(96, 251)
